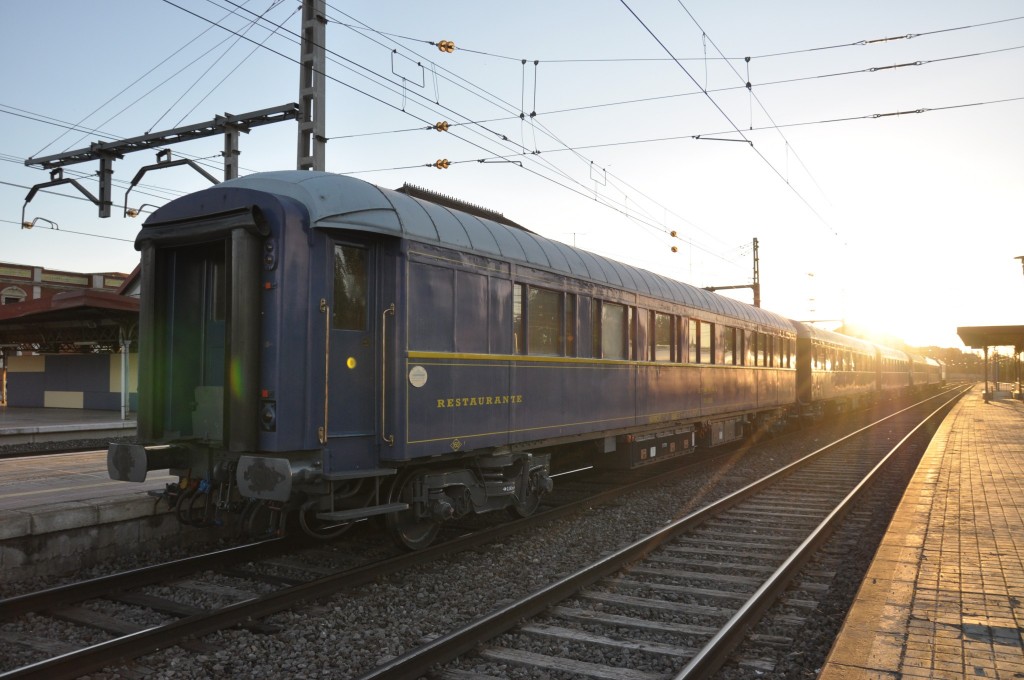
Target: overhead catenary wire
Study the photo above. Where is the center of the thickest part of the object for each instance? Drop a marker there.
(510, 107)
(631, 205)
(756, 98)
(600, 145)
(521, 115)
(717, 90)
(620, 60)
(582, 191)
(729, 119)
(567, 147)
(125, 89)
(244, 59)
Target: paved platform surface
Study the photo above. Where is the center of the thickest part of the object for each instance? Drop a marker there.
(54, 493)
(18, 420)
(944, 597)
(33, 481)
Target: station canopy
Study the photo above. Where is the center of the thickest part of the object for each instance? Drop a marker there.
(980, 337)
(71, 321)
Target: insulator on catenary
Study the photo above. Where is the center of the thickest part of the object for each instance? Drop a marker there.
(442, 164)
(441, 126)
(446, 46)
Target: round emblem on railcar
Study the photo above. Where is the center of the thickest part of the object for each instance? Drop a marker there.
(417, 376)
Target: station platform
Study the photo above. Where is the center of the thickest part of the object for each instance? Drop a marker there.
(944, 597)
(60, 512)
(20, 425)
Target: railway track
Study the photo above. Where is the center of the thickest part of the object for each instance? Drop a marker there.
(249, 582)
(677, 603)
(240, 589)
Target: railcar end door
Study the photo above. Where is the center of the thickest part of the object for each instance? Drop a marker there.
(350, 360)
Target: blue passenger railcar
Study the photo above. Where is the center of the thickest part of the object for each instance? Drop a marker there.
(893, 372)
(313, 342)
(925, 372)
(835, 372)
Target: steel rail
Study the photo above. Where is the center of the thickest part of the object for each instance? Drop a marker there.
(74, 664)
(716, 651)
(79, 662)
(446, 648)
(59, 596)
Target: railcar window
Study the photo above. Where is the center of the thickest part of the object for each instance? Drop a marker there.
(707, 342)
(518, 339)
(217, 290)
(614, 332)
(728, 335)
(570, 325)
(350, 288)
(663, 341)
(631, 323)
(544, 319)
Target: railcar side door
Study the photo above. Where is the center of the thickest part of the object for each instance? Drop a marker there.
(352, 400)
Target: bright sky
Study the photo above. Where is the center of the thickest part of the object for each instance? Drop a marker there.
(906, 224)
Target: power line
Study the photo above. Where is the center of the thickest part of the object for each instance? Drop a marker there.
(750, 89)
(494, 99)
(522, 151)
(726, 116)
(875, 41)
(620, 60)
(77, 233)
(269, 35)
(133, 83)
(825, 121)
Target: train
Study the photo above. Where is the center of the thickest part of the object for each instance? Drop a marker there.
(315, 351)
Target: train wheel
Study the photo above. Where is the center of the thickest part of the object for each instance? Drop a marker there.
(262, 519)
(409, 530)
(319, 529)
(528, 505)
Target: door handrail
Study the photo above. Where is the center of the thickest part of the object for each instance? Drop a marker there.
(326, 309)
(389, 439)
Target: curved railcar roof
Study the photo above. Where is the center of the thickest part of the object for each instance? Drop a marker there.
(822, 335)
(337, 201)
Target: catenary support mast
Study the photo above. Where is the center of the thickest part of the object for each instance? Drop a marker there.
(312, 82)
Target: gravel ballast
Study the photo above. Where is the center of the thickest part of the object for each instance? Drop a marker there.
(351, 633)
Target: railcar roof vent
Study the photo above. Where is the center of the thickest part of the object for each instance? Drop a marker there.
(456, 204)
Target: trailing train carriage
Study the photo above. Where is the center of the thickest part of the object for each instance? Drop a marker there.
(310, 341)
(835, 373)
(893, 372)
(925, 372)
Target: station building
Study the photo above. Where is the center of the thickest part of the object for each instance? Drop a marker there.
(68, 339)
